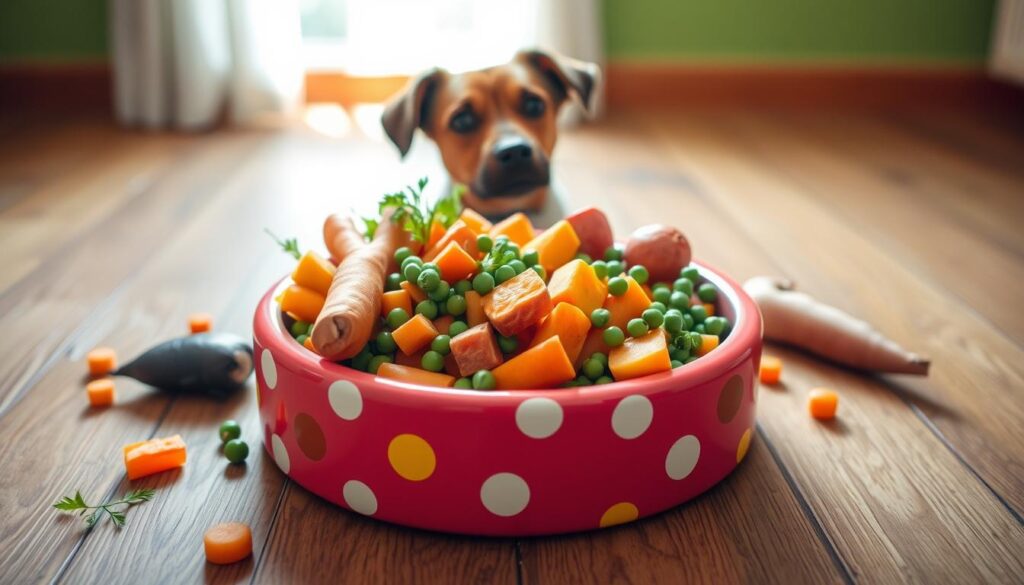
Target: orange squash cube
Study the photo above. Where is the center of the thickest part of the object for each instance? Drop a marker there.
(629, 306)
(304, 303)
(568, 323)
(395, 299)
(314, 272)
(555, 246)
(454, 262)
(516, 227)
(459, 233)
(517, 303)
(414, 334)
(640, 356)
(153, 456)
(200, 323)
(577, 283)
(475, 221)
(436, 233)
(100, 392)
(544, 365)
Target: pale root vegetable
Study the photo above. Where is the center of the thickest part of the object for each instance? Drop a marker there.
(395, 299)
(822, 403)
(101, 361)
(414, 334)
(661, 249)
(770, 370)
(353, 302)
(459, 233)
(567, 322)
(227, 543)
(454, 262)
(628, 306)
(800, 320)
(302, 302)
(592, 227)
(517, 303)
(153, 456)
(100, 392)
(516, 227)
(475, 221)
(578, 284)
(542, 366)
(314, 272)
(640, 356)
(200, 322)
(475, 349)
(555, 246)
(414, 375)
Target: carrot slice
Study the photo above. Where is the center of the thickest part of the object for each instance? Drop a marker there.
(414, 334)
(153, 456)
(414, 375)
(771, 369)
(100, 392)
(102, 361)
(314, 272)
(822, 403)
(454, 262)
(200, 322)
(304, 303)
(474, 309)
(227, 543)
(415, 293)
(707, 343)
(436, 233)
(395, 299)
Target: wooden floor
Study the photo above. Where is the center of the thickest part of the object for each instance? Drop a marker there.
(913, 220)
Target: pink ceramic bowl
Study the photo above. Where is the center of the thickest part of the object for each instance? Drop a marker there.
(514, 463)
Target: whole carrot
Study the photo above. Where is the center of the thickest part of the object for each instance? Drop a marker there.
(341, 236)
(797, 319)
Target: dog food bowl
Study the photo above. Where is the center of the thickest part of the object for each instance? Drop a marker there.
(513, 463)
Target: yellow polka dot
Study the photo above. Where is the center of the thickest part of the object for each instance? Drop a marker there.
(412, 457)
(619, 514)
(741, 449)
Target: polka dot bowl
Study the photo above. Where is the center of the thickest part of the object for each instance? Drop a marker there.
(513, 463)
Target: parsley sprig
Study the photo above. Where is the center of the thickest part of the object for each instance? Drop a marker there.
(502, 252)
(78, 504)
(289, 245)
(416, 215)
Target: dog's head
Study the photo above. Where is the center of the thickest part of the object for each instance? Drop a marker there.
(495, 128)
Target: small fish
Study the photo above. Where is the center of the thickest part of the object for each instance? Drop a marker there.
(209, 364)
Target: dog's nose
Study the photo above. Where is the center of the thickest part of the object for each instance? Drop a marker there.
(512, 150)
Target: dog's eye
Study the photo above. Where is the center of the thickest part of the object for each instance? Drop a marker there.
(464, 122)
(533, 106)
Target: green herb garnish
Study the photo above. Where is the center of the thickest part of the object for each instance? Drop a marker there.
(415, 215)
(289, 245)
(78, 504)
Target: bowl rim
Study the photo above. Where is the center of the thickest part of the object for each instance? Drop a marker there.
(745, 335)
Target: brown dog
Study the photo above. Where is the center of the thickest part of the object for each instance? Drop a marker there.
(495, 128)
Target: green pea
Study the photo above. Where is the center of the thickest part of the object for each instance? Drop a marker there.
(677, 353)
(581, 380)
(662, 295)
(661, 286)
(531, 258)
(442, 344)
(301, 340)
(613, 336)
(600, 268)
(676, 364)
(699, 313)
(695, 340)
(427, 308)
(428, 280)
(236, 450)
(707, 293)
(679, 300)
(376, 362)
(599, 357)
(692, 358)
(508, 344)
(637, 327)
(699, 328)
(440, 293)
(362, 359)
(653, 317)
(683, 285)
(393, 282)
(432, 266)
(518, 265)
(543, 274)
(593, 369)
(456, 328)
(432, 361)
(484, 380)
(504, 273)
(456, 305)
(229, 429)
(397, 317)
(659, 307)
(690, 273)
(462, 287)
(401, 254)
(411, 260)
(386, 343)
(615, 268)
(483, 283)
(299, 328)
(411, 271)
(714, 325)
(464, 384)
(673, 322)
(514, 248)
(599, 317)
(603, 380)
(639, 274)
(617, 286)
(585, 257)
(683, 341)
(612, 253)
(484, 243)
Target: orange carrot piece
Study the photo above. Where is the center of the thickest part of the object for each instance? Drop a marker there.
(570, 325)
(454, 262)
(544, 365)
(415, 293)
(443, 323)
(516, 226)
(227, 543)
(707, 343)
(555, 246)
(395, 299)
(577, 283)
(640, 356)
(474, 309)
(413, 361)
(593, 344)
(822, 403)
(771, 369)
(314, 272)
(102, 361)
(517, 303)
(710, 309)
(629, 306)
(476, 222)
(436, 233)
(308, 344)
(100, 392)
(302, 302)
(414, 375)
(459, 233)
(153, 456)
(414, 334)
(200, 322)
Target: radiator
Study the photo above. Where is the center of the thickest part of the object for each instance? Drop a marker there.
(1007, 60)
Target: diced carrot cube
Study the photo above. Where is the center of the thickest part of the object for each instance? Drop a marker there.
(459, 233)
(102, 361)
(555, 246)
(200, 322)
(544, 365)
(304, 303)
(628, 306)
(414, 375)
(454, 262)
(314, 272)
(415, 293)
(100, 392)
(771, 369)
(437, 232)
(476, 349)
(822, 403)
(153, 456)
(395, 299)
(443, 323)
(474, 309)
(640, 356)
(227, 543)
(577, 283)
(414, 334)
(707, 343)
(517, 303)
(475, 221)
(570, 325)
(516, 227)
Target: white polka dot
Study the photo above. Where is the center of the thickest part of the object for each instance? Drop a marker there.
(280, 453)
(359, 497)
(632, 416)
(269, 368)
(345, 399)
(505, 494)
(682, 457)
(539, 418)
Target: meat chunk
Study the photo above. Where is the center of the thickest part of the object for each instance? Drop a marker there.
(517, 303)
(475, 349)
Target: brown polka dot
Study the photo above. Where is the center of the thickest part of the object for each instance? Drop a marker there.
(730, 398)
(310, 437)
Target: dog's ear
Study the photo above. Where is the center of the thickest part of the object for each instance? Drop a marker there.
(569, 76)
(407, 110)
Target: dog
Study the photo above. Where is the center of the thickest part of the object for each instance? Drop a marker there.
(495, 128)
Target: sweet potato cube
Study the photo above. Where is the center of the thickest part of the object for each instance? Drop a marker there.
(454, 262)
(100, 392)
(415, 375)
(153, 456)
(314, 272)
(555, 246)
(544, 365)
(628, 306)
(395, 299)
(459, 233)
(576, 283)
(517, 303)
(570, 325)
(592, 228)
(476, 349)
(474, 308)
(707, 343)
(475, 221)
(640, 356)
(414, 334)
(516, 226)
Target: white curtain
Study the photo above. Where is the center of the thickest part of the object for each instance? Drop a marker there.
(186, 63)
